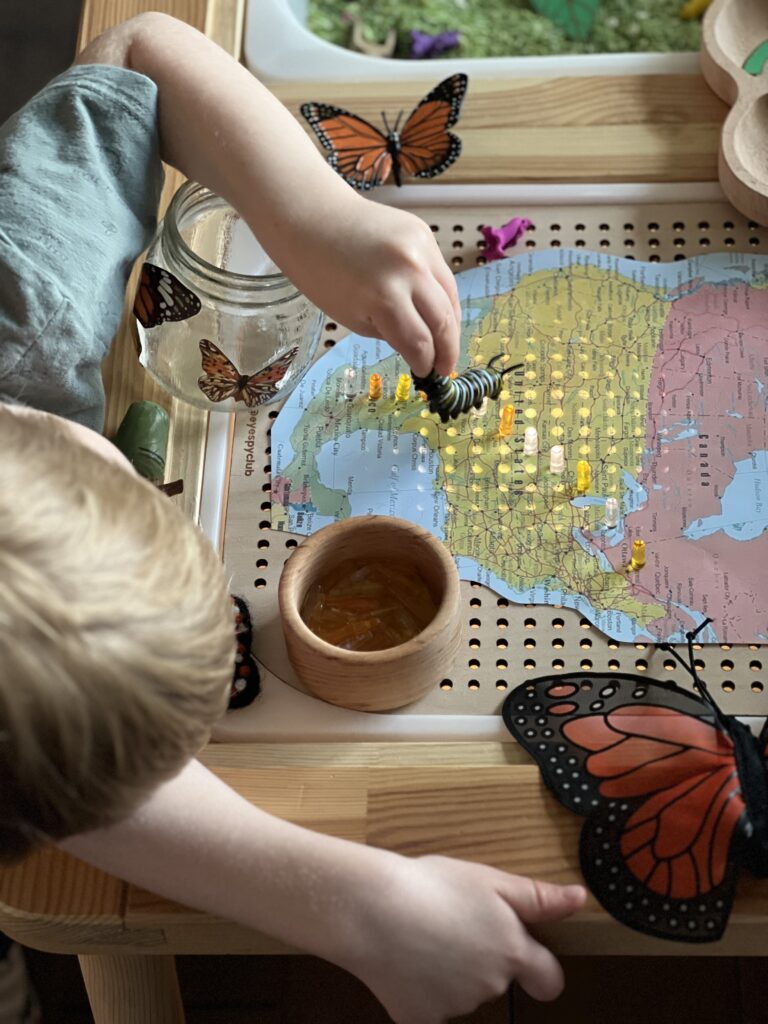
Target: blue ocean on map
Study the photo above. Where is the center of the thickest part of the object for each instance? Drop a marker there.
(400, 476)
(408, 492)
(745, 491)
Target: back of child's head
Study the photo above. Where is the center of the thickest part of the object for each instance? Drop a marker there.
(116, 636)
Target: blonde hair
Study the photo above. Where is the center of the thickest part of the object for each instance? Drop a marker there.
(116, 636)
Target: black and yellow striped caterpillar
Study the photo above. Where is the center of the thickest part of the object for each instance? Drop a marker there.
(449, 397)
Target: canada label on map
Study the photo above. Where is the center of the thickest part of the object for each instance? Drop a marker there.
(655, 374)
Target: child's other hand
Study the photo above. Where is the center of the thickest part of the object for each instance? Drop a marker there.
(379, 271)
(444, 936)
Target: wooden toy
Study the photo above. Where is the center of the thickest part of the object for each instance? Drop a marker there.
(381, 679)
(734, 61)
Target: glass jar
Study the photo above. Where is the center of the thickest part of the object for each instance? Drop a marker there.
(218, 324)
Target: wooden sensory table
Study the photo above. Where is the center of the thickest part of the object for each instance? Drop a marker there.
(476, 800)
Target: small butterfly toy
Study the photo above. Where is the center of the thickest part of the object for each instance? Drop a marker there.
(675, 793)
(161, 298)
(222, 379)
(365, 156)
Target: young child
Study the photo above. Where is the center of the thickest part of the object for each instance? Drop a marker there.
(116, 632)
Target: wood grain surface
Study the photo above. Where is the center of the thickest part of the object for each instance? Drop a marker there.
(474, 800)
(599, 129)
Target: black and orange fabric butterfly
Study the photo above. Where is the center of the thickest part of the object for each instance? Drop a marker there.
(222, 379)
(675, 792)
(161, 298)
(365, 156)
(246, 681)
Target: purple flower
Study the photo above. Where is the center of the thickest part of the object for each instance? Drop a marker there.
(424, 45)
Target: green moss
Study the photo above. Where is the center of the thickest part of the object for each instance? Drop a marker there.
(500, 28)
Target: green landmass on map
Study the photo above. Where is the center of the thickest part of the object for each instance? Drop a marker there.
(586, 339)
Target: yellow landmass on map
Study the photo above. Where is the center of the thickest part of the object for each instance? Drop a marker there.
(586, 340)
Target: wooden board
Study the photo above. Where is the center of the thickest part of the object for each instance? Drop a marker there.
(399, 795)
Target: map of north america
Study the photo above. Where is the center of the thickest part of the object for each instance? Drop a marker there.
(655, 374)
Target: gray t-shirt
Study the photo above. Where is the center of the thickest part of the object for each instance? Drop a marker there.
(80, 180)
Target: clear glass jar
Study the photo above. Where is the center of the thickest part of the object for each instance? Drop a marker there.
(227, 330)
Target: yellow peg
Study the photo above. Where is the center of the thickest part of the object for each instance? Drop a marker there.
(403, 389)
(583, 476)
(638, 556)
(694, 8)
(374, 387)
(507, 420)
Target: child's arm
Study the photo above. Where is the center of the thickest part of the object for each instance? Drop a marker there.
(431, 937)
(375, 269)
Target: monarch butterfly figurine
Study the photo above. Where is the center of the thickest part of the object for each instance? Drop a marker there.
(450, 397)
(675, 792)
(365, 156)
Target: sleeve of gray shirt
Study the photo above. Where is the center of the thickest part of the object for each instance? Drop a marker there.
(80, 180)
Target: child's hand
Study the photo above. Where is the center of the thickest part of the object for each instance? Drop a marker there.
(375, 269)
(379, 271)
(442, 936)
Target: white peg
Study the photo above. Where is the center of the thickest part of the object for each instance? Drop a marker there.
(350, 383)
(531, 441)
(611, 513)
(556, 459)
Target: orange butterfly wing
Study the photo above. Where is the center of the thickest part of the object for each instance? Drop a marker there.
(427, 148)
(658, 783)
(677, 841)
(162, 298)
(263, 385)
(222, 379)
(358, 150)
(365, 156)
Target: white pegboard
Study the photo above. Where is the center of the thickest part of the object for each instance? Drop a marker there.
(504, 644)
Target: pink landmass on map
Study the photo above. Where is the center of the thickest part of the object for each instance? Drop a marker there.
(707, 411)
(283, 495)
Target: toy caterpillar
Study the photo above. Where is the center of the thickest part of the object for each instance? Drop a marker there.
(450, 397)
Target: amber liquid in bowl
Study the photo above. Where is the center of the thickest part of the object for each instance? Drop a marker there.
(368, 605)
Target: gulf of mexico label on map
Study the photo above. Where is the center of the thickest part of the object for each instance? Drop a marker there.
(653, 373)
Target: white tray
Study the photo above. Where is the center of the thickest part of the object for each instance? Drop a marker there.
(279, 47)
(622, 212)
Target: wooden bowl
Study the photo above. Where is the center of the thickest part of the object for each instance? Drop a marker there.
(372, 680)
(735, 37)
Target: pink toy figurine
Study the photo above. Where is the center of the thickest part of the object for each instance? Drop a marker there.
(499, 239)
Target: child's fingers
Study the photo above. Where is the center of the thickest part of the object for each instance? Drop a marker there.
(407, 332)
(437, 312)
(535, 901)
(443, 274)
(539, 973)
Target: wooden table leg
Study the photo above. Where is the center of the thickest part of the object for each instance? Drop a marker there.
(132, 989)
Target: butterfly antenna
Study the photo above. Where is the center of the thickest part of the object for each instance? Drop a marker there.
(397, 122)
(690, 668)
(386, 123)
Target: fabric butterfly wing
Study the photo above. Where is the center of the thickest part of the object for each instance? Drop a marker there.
(427, 148)
(162, 298)
(659, 786)
(358, 150)
(246, 680)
